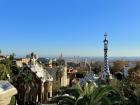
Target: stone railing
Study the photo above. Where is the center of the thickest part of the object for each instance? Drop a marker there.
(6, 92)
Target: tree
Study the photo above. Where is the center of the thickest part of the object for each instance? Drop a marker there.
(15, 70)
(7, 65)
(117, 66)
(97, 67)
(3, 72)
(130, 92)
(137, 94)
(134, 73)
(89, 95)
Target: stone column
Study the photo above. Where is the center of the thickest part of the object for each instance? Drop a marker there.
(45, 92)
(41, 92)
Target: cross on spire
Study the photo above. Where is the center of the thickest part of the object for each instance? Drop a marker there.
(105, 35)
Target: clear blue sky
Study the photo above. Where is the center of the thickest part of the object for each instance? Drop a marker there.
(74, 27)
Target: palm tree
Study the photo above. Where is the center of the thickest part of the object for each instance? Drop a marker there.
(89, 95)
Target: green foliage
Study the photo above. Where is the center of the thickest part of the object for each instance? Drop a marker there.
(74, 91)
(137, 94)
(117, 66)
(7, 67)
(134, 74)
(90, 95)
(4, 70)
(129, 91)
(15, 70)
(13, 101)
(99, 96)
(68, 100)
(28, 77)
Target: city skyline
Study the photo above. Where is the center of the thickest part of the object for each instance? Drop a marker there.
(74, 27)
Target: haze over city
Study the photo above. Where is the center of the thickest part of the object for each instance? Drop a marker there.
(73, 27)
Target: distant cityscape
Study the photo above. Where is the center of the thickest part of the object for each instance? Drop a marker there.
(34, 80)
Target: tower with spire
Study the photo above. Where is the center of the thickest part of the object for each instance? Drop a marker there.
(61, 56)
(106, 72)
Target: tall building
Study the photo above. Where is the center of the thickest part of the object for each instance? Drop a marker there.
(61, 56)
(106, 72)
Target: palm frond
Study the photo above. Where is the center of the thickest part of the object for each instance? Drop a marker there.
(69, 99)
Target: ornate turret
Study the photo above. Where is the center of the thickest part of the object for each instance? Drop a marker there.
(106, 73)
(45, 80)
(125, 71)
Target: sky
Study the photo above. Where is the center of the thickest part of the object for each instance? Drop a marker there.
(71, 27)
